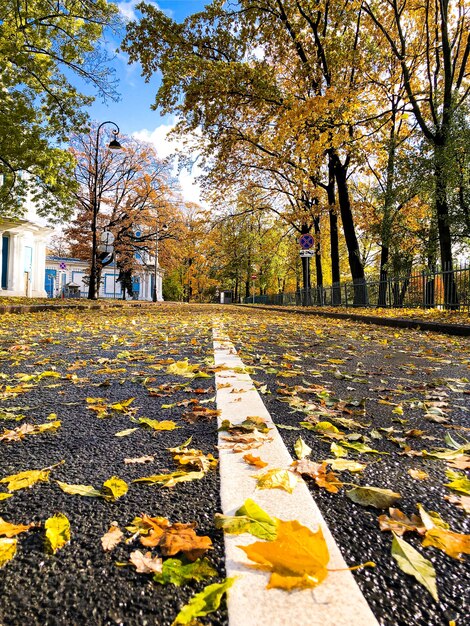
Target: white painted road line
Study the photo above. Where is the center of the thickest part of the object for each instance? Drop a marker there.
(337, 601)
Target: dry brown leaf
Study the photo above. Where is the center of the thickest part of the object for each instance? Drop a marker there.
(319, 472)
(140, 459)
(112, 538)
(145, 563)
(463, 502)
(418, 474)
(182, 538)
(399, 523)
(463, 463)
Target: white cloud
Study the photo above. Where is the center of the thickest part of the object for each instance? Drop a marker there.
(166, 146)
(128, 12)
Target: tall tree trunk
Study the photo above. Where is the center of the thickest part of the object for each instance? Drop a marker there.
(443, 228)
(306, 298)
(334, 239)
(354, 257)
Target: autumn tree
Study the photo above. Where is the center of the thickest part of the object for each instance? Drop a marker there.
(134, 198)
(431, 42)
(43, 45)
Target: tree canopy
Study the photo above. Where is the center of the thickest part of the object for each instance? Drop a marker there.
(43, 45)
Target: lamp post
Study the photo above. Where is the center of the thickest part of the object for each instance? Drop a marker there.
(155, 274)
(113, 145)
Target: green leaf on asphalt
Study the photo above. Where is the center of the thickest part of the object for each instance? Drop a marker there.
(22, 480)
(124, 433)
(176, 572)
(203, 603)
(301, 449)
(57, 532)
(7, 550)
(411, 562)
(250, 518)
(373, 496)
(156, 425)
(326, 427)
(287, 427)
(80, 490)
(114, 488)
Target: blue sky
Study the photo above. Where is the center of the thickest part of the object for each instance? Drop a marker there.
(132, 113)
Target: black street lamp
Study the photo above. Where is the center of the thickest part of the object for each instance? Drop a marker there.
(113, 145)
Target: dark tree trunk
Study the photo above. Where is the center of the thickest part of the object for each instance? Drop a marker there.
(334, 238)
(355, 265)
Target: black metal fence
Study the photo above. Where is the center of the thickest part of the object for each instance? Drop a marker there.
(446, 289)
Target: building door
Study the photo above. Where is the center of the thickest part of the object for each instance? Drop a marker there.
(4, 261)
(50, 282)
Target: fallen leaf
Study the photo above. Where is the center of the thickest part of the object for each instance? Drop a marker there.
(399, 523)
(182, 538)
(156, 425)
(57, 532)
(276, 479)
(114, 488)
(463, 502)
(453, 544)
(11, 530)
(145, 563)
(124, 433)
(412, 562)
(140, 459)
(418, 474)
(4, 496)
(319, 472)
(373, 496)
(170, 480)
(22, 480)
(80, 490)
(7, 550)
(249, 518)
(254, 460)
(301, 449)
(297, 558)
(206, 601)
(112, 538)
(341, 465)
(176, 572)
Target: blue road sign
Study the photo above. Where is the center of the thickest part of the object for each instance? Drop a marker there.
(306, 241)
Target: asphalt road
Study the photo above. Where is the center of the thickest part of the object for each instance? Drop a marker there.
(381, 378)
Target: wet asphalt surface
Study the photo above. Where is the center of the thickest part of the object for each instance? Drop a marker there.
(118, 354)
(363, 365)
(112, 355)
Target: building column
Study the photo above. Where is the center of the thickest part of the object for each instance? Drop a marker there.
(39, 269)
(15, 265)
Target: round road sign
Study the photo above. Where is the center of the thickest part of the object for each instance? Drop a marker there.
(306, 241)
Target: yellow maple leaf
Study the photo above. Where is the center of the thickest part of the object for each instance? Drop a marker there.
(276, 479)
(57, 532)
(297, 558)
(7, 550)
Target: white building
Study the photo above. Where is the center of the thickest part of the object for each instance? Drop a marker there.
(23, 254)
(65, 274)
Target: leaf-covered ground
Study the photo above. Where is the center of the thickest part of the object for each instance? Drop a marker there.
(82, 369)
(91, 401)
(346, 389)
